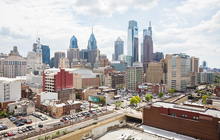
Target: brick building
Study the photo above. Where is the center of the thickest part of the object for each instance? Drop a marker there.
(217, 90)
(153, 88)
(200, 123)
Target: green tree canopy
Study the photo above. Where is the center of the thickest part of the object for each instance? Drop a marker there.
(133, 100)
(102, 100)
(171, 90)
(138, 98)
(77, 95)
(160, 94)
(3, 113)
(204, 98)
(148, 97)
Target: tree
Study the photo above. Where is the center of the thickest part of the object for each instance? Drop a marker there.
(3, 113)
(16, 107)
(138, 98)
(102, 100)
(118, 103)
(47, 137)
(133, 101)
(58, 133)
(204, 98)
(77, 95)
(64, 132)
(171, 91)
(44, 110)
(160, 94)
(148, 97)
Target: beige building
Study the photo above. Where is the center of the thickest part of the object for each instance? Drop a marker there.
(77, 80)
(64, 62)
(178, 71)
(155, 72)
(57, 56)
(194, 64)
(2, 65)
(15, 66)
(87, 92)
(133, 75)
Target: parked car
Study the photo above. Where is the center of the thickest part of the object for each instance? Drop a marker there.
(20, 124)
(62, 120)
(10, 134)
(20, 132)
(40, 125)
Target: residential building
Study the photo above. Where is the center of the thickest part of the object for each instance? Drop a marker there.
(155, 72)
(126, 59)
(115, 80)
(72, 53)
(132, 76)
(177, 71)
(45, 54)
(132, 47)
(147, 45)
(158, 56)
(10, 90)
(118, 48)
(93, 56)
(57, 110)
(66, 94)
(189, 120)
(119, 65)
(64, 63)
(57, 56)
(15, 66)
(206, 77)
(102, 72)
(55, 79)
(92, 44)
(73, 42)
(194, 64)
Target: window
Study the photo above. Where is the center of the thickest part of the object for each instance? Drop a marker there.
(185, 116)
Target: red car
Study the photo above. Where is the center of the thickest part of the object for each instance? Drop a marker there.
(62, 120)
(86, 116)
(10, 134)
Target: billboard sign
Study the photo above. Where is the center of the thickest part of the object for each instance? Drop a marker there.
(142, 87)
(94, 99)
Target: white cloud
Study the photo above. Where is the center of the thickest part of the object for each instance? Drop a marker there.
(107, 7)
(192, 6)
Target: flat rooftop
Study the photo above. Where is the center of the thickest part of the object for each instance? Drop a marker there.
(114, 135)
(214, 113)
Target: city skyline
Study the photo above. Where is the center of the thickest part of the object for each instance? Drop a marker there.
(178, 27)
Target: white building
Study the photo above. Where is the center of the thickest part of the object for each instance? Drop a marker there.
(48, 96)
(10, 89)
(31, 58)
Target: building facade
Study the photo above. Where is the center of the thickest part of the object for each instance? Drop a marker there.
(158, 56)
(45, 54)
(57, 56)
(72, 53)
(93, 56)
(147, 44)
(133, 75)
(64, 63)
(92, 44)
(119, 48)
(132, 47)
(83, 54)
(73, 42)
(119, 65)
(126, 59)
(206, 77)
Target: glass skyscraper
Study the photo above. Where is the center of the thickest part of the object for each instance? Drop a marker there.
(73, 42)
(92, 42)
(119, 48)
(45, 54)
(132, 47)
(147, 44)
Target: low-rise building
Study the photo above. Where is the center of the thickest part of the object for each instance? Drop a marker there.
(45, 96)
(152, 88)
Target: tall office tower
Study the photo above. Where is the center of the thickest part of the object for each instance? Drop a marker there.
(204, 64)
(92, 42)
(83, 54)
(158, 56)
(113, 57)
(52, 62)
(45, 54)
(132, 47)
(73, 42)
(119, 48)
(31, 58)
(194, 64)
(177, 71)
(147, 45)
(38, 61)
(72, 53)
(93, 56)
(57, 56)
(132, 76)
(142, 52)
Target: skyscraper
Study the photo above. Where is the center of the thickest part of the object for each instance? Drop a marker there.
(72, 53)
(83, 54)
(158, 56)
(92, 42)
(147, 45)
(73, 42)
(119, 48)
(57, 56)
(132, 47)
(93, 56)
(45, 54)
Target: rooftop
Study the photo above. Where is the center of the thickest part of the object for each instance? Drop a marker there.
(211, 112)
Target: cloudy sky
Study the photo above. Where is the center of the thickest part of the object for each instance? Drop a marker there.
(190, 26)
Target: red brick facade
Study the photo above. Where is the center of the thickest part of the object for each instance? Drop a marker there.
(206, 127)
